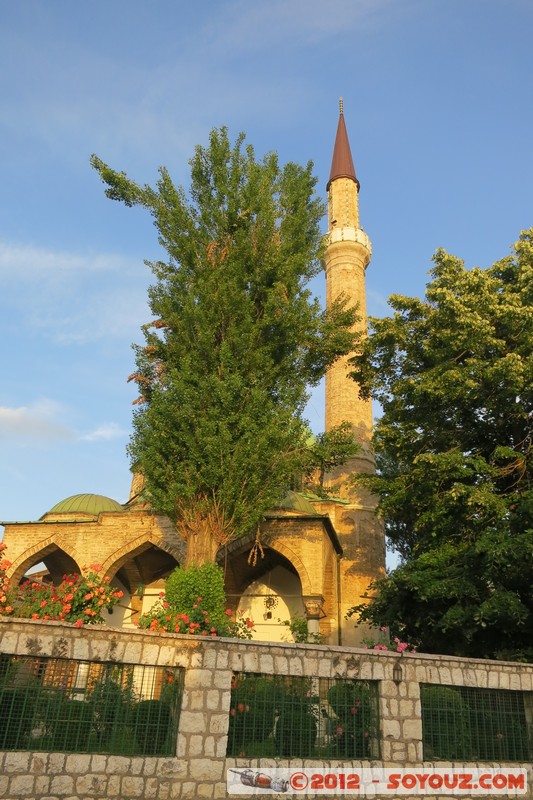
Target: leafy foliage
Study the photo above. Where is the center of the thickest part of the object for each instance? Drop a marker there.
(299, 628)
(454, 375)
(354, 705)
(325, 451)
(236, 339)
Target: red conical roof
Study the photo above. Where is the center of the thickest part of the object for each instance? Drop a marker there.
(342, 162)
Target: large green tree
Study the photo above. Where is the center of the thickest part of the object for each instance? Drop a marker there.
(454, 375)
(236, 339)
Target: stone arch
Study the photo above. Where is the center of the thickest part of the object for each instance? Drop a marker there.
(281, 547)
(272, 591)
(271, 542)
(39, 552)
(278, 543)
(128, 551)
(139, 569)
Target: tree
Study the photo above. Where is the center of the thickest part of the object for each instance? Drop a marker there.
(236, 339)
(324, 452)
(454, 375)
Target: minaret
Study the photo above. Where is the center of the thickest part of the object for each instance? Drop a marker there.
(360, 530)
(347, 255)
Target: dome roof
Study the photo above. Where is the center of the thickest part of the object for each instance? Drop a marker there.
(86, 504)
(293, 501)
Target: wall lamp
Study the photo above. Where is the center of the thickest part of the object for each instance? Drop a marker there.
(397, 673)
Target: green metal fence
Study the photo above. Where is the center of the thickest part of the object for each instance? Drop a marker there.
(88, 707)
(296, 717)
(466, 724)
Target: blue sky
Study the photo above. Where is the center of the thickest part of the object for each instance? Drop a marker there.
(437, 99)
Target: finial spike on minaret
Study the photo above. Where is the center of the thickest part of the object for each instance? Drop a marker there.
(342, 162)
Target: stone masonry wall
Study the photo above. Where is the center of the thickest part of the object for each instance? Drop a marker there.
(199, 768)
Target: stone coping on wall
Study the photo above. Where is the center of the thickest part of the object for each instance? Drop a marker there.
(49, 629)
(104, 643)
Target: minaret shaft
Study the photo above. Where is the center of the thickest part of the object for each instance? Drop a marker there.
(347, 255)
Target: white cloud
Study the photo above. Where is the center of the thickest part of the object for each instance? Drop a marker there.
(302, 22)
(118, 106)
(40, 421)
(105, 432)
(377, 303)
(37, 421)
(21, 261)
(70, 297)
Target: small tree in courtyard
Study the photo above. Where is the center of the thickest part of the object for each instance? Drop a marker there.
(235, 342)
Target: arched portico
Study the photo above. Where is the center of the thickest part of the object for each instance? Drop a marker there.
(54, 552)
(139, 569)
(269, 588)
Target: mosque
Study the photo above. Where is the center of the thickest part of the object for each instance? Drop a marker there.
(319, 556)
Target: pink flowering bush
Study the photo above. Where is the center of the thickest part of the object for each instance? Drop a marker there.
(195, 603)
(199, 621)
(355, 707)
(384, 643)
(79, 599)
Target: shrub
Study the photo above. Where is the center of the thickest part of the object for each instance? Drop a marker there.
(296, 732)
(186, 585)
(252, 712)
(111, 699)
(445, 724)
(17, 710)
(352, 702)
(71, 727)
(152, 723)
(80, 599)
(194, 603)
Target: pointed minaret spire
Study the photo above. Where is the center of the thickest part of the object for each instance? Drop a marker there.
(342, 162)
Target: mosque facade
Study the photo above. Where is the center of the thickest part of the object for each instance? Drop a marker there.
(318, 555)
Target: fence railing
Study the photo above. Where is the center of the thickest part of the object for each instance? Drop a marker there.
(68, 705)
(460, 723)
(88, 706)
(298, 717)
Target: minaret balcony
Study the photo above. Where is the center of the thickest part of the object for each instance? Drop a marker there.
(349, 234)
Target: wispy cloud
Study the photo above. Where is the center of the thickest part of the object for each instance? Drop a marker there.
(105, 432)
(132, 116)
(249, 26)
(41, 421)
(25, 262)
(377, 303)
(36, 421)
(71, 298)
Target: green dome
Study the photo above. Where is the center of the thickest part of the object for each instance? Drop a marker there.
(293, 501)
(86, 504)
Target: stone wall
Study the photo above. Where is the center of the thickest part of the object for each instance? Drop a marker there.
(199, 768)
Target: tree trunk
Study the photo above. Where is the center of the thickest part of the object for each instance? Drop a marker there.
(205, 527)
(201, 546)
